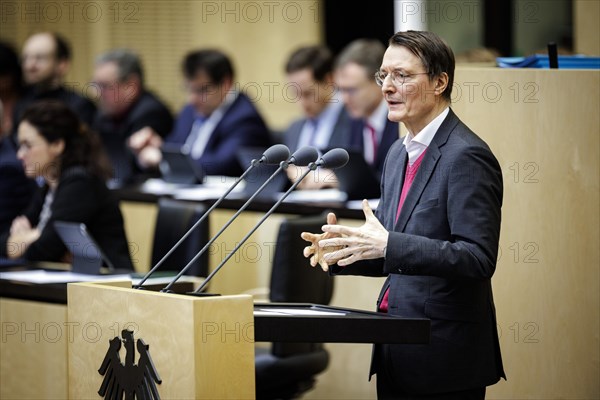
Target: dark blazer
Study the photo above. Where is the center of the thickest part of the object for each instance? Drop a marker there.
(241, 126)
(147, 111)
(16, 190)
(79, 197)
(391, 133)
(440, 258)
(82, 106)
(340, 136)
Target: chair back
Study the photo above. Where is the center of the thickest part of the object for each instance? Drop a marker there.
(174, 219)
(293, 280)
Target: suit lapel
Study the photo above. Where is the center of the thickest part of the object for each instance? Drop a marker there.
(430, 160)
(395, 195)
(428, 164)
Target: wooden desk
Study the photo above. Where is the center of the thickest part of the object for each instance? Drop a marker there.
(36, 333)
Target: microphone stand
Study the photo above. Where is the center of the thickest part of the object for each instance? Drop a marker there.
(311, 167)
(253, 164)
(211, 241)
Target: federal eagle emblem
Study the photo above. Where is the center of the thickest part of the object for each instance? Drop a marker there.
(129, 380)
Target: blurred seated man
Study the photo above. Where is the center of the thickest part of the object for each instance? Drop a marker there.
(46, 58)
(325, 123)
(372, 131)
(126, 109)
(217, 122)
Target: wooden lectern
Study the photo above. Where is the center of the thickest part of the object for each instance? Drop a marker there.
(201, 347)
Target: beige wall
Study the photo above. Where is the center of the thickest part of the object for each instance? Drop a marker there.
(258, 36)
(586, 27)
(543, 127)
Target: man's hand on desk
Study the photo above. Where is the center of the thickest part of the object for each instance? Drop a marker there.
(146, 144)
(19, 225)
(17, 243)
(149, 157)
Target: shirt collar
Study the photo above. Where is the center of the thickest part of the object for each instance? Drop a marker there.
(416, 145)
(230, 97)
(425, 136)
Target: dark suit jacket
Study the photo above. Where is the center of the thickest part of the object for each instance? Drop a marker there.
(83, 107)
(241, 126)
(16, 190)
(340, 136)
(79, 197)
(391, 132)
(440, 258)
(147, 111)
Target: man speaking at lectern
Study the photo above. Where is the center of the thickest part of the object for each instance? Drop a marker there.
(435, 233)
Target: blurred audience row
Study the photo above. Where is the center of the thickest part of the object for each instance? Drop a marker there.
(56, 136)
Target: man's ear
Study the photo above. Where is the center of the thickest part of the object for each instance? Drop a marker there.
(441, 83)
(62, 67)
(133, 87)
(328, 79)
(226, 84)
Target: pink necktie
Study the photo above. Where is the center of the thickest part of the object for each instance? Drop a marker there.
(409, 177)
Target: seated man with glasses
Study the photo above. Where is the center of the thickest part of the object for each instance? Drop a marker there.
(126, 110)
(217, 121)
(325, 124)
(45, 61)
(371, 131)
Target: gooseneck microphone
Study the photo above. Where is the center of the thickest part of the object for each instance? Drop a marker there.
(273, 155)
(302, 157)
(335, 158)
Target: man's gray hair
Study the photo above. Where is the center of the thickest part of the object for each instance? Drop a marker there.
(128, 63)
(368, 53)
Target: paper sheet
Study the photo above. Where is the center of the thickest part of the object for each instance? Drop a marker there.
(42, 276)
(297, 311)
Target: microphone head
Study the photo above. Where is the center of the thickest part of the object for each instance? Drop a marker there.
(334, 158)
(275, 154)
(303, 156)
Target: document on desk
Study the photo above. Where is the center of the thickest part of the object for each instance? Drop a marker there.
(357, 204)
(198, 193)
(212, 188)
(321, 195)
(296, 312)
(41, 276)
(158, 187)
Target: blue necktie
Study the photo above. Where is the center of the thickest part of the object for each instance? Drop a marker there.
(195, 130)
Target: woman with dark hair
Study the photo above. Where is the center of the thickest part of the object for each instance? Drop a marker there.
(56, 146)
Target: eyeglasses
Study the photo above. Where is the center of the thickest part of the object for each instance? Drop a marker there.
(202, 90)
(398, 78)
